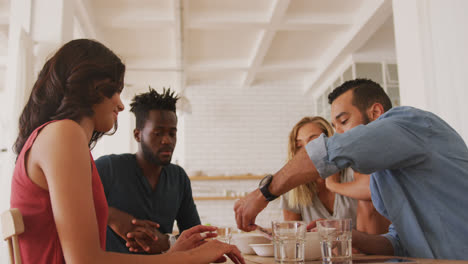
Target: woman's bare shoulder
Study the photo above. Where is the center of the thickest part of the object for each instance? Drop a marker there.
(63, 125)
(61, 136)
(63, 129)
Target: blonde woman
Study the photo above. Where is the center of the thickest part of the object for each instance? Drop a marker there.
(313, 201)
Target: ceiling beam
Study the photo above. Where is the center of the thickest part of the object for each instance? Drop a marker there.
(136, 22)
(222, 24)
(315, 19)
(372, 18)
(313, 26)
(266, 38)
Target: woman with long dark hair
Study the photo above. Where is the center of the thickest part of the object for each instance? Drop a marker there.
(75, 100)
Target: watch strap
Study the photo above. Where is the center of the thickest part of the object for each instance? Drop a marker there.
(264, 189)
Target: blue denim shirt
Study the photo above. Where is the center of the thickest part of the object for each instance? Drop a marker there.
(419, 180)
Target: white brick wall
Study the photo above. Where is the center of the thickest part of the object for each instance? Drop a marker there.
(236, 131)
(220, 212)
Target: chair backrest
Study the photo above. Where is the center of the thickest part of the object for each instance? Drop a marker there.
(12, 226)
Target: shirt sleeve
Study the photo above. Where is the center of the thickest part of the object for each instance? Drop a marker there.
(187, 216)
(387, 143)
(105, 170)
(392, 236)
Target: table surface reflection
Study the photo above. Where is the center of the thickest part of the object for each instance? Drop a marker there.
(254, 259)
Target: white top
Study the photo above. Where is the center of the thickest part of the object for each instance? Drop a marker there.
(344, 207)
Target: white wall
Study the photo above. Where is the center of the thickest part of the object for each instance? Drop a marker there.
(122, 141)
(431, 45)
(234, 131)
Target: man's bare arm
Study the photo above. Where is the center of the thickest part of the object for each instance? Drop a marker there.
(372, 244)
(297, 171)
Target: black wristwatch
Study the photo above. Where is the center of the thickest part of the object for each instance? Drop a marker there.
(263, 186)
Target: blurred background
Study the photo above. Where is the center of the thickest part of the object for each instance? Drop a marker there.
(246, 71)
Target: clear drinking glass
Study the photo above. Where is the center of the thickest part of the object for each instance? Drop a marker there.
(288, 240)
(335, 240)
(224, 234)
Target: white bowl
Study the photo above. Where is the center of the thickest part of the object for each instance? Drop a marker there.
(312, 246)
(243, 240)
(264, 250)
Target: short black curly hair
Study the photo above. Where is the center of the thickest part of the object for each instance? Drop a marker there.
(365, 93)
(152, 100)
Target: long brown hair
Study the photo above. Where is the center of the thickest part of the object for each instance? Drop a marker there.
(303, 194)
(69, 85)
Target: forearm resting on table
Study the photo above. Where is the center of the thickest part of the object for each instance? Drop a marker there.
(372, 244)
(299, 170)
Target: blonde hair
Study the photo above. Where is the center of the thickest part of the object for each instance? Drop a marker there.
(303, 194)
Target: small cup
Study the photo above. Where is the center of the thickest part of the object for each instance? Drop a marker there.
(224, 234)
(288, 241)
(335, 240)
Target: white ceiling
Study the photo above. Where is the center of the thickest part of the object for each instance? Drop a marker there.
(179, 43)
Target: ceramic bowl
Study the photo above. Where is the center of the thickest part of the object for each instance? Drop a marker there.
(242, 241)
(312, 246)
(264, 250)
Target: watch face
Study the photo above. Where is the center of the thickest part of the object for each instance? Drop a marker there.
(265, 180)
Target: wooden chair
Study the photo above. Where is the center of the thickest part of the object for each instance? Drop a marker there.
(12, 226)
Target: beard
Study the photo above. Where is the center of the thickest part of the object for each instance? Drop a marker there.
(365, 118)
(152, 157)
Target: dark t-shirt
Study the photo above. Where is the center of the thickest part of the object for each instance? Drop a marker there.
(128, 190)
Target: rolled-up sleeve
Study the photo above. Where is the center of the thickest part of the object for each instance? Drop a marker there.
(392, 236)
(317, 151)
(393, 142)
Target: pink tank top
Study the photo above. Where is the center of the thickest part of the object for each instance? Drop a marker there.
(40, 242)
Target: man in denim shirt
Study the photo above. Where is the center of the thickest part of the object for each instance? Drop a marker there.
(419, 167)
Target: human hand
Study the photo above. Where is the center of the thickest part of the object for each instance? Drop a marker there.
(214, 251)
(312, 226)
(140, 235)
(193, 237)
(146, 237)
(331, 180)
(248, 208)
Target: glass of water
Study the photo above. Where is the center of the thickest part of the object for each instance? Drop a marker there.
(224, 234)
(335, 240)
(288, 240)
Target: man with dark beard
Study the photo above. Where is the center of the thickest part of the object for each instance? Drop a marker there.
(419, 167)
(145, 192)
